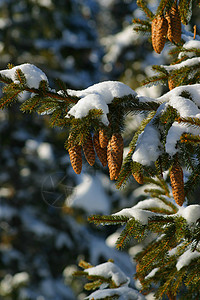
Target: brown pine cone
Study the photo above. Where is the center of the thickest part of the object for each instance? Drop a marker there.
(174, 24)
(101, 152)
(115, 155)
(177, 183)
(103, 139)
(76, 158)
(88, 150)
(138, 176)
(159, 28)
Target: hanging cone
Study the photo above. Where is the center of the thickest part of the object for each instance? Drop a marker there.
(103, 139)
(101, 152)
(115, 155)
(76, 158)
(174, 24)
(88, 150)
(171, 84)
(159, 28)
(138, 176)
(177, 183)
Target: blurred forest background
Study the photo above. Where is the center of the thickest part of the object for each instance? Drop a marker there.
(43, 204)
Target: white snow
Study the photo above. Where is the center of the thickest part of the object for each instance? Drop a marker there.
(124, 293)
(186, 258)
(112, 238)
(33, 74)
(10, 282)
(152, 92)
(147, 150)
(186, 108)
(139, 214)
(149, 203)
(193, 89)
(187, 63)
(90, 196)
(98, 96)
(152, 273)
(45, 3)
(174, 250)
(109, 270)
(189, 45)
(116, 43)
(20, 278)
(45, 151)
(174, 134)
(148, 144)
(191, 213)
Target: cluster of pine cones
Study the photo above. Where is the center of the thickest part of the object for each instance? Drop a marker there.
(168, 26)
(109, 151)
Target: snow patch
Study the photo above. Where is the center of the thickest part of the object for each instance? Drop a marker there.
(33, 74)
(90, 196)
(139, 214)
(186, 258)
(124, 293)
(152, 273)
(98, 96)
(109, 270)
(191, 213)
(149, 203)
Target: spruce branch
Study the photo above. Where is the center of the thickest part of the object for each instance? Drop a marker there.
(143, 5)
(108, 220)
(190, 138)
(163, 5)
(10, 97)
(19, 76)
(141, 26)
(133, 230)
(190, 121)
(192, 181)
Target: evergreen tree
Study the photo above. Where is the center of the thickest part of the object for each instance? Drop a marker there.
(163, 155)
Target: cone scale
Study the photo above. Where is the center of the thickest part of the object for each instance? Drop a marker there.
(174, 24)
(76, 158)
(88, 150)
(115, 155)
(177, 183)
(101, 152)
(103, 139)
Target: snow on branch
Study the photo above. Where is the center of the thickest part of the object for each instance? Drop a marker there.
(32, 74)
(98, 96)
(123, 293)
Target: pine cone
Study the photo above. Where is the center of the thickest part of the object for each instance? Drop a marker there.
(174, 24)
(159, 28)
(171, 84)
(76, 158)
(101, 152)
(115, 155)
(138, 176)
(177, 183)
(103, 139)
(88, 150)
